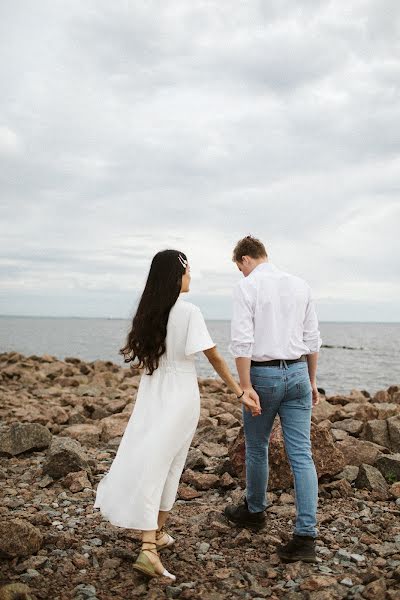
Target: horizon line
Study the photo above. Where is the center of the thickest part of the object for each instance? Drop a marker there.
(5, 316)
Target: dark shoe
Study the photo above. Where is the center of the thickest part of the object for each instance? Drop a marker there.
(240, 515)
(300, 547)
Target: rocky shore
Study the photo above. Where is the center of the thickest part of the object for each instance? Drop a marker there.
(60, 426)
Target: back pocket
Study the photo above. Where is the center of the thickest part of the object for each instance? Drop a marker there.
(303, 388)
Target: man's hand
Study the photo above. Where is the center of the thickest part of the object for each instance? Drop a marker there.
(315, 393)
(251, 401)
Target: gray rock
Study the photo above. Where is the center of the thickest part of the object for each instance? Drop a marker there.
(196, 459)
(20, 437)
(349, 473)
(371, 479)
(389, 465)
(376, 431)
(64, 456)
(352, 426)
(394, 433)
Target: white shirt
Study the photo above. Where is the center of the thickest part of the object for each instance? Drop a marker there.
(274, 316)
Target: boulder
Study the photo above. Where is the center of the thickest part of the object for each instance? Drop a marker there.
(20, 437)
(212, 449)
(357, 452)
(113, 426)
(349, 473)
(371, 478)
(394, 433)
(386, 410)
(323, 410)
(85, 433)
(64, 456)
(376, 431)
(18, 537)
(327, 458)
(352, 426)
(195, 459)
(16, 591)
(381, 396)
(389, 466)
(200, 481)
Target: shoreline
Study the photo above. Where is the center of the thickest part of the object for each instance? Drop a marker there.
(61, 423)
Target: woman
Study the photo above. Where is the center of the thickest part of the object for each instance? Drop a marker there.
(140, 488)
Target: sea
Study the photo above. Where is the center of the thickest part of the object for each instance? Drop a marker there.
(363, 356)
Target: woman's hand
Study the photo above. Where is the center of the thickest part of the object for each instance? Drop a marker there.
(251, 402)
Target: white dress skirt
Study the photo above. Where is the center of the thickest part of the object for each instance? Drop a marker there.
(144, 476)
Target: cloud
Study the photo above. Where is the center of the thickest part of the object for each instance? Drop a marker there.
(130, 127)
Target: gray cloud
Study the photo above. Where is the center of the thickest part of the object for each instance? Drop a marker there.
(129, 127)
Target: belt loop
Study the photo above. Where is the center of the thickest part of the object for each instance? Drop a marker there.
(280, 364)
(285, 363)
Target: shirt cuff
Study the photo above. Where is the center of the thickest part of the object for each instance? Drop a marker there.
(241, 350)
(313, 343)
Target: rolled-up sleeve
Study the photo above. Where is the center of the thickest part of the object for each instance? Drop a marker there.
(311, 333)
(242, 324)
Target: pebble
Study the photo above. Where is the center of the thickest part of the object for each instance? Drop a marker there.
(347, 582)
(203, 548)
(96, 542)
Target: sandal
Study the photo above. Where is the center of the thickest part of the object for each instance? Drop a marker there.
(144, 565)
(160, 534)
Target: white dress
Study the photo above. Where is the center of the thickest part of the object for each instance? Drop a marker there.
(144, 476)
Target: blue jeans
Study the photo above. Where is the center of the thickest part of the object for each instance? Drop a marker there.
(284, 390)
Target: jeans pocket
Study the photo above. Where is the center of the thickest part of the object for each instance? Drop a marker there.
(303, 389)
(265, 391)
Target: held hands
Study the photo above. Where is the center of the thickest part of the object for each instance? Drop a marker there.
(251, 401)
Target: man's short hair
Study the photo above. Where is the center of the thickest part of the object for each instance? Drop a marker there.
(249, 246)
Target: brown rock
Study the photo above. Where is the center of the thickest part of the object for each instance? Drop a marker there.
(358, 451)
(386, 410)
(185, 492)
(227, 481)
(328, 459)
(19, 538)
(394, 433)
(63, 456)
(113, 426)
(227, 420)
(376, 590)
(323, 410)
(85, 433)
(317, 582)
(201, 481)
(395, 489)
(376, 431)
(20, 437)
(381, 396)
(76, 481)
(15, 591)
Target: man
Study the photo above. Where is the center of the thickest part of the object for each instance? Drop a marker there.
(275, 341)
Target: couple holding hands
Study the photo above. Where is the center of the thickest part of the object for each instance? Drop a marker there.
(275, 341)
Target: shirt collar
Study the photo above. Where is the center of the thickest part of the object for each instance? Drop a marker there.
(264, 266)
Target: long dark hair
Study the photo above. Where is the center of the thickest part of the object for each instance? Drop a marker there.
(145, 343)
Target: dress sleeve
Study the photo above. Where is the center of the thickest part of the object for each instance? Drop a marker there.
(198, 337)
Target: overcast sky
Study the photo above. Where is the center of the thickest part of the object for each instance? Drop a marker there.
(127, 127)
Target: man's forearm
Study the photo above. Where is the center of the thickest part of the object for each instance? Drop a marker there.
(243, 369)
(312, 361)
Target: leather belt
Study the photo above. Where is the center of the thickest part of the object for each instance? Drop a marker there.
(277, 362)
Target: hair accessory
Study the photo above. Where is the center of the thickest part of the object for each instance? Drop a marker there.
(183, 261)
